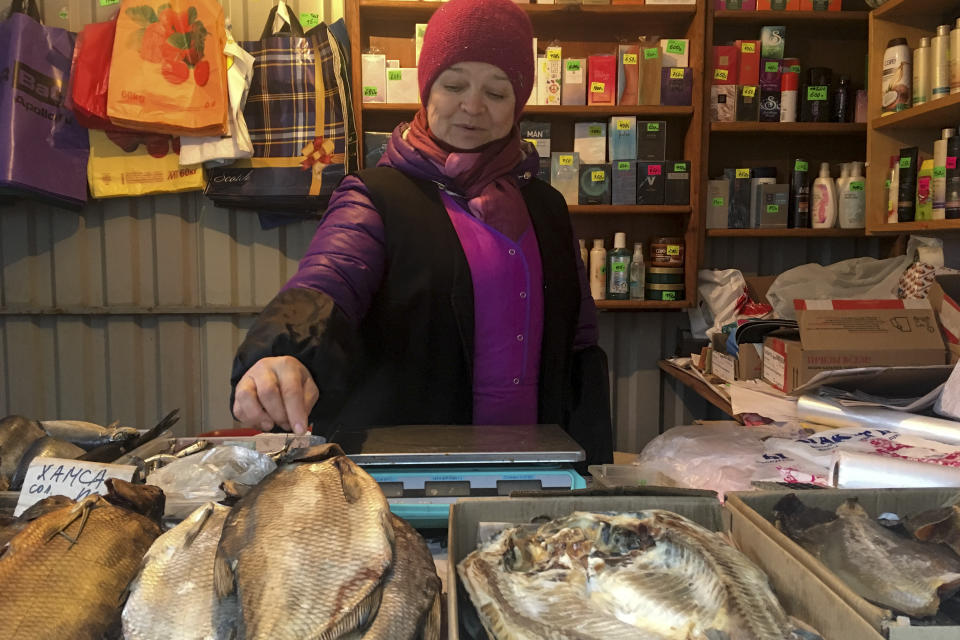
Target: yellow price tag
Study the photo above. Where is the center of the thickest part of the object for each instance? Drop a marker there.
(597, 87)
(749, 92)
(748, 47)
(629, 58)
(595, 132)
(743, 173)
(598, 176)
(623, 125)
(566, 161)
(673, 249)
(721, 74)
(676, 74)
(553, 54)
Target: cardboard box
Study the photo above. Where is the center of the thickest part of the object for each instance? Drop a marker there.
(402, 87)
(652, 141)
(773, 41)
(735, 5)
(565, 175)
(751, 515)
(725, 64)
(650, 65)
(778, 5)
(590, 141)
(539, 134)
(573, 90)
(718, 192)
(675, 52)
(676, 86)
(748, 62)
(747, 365)
(773, 206)
(624, 182)
(602, 79)
(676, 189)
(944, 295)
(622, 138)
(594, 184)
(628, 74)
(801, 593)
(723, 103)
(844, 334)
(650, 183)
(748, 103)
(374, 146)
(373, 71)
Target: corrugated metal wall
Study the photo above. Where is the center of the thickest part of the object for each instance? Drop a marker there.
(136, 305)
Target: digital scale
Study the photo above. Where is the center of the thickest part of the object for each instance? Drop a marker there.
(423, 469)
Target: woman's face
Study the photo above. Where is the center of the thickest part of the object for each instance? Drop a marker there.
(470, 104)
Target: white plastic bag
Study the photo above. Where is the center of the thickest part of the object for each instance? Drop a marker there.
(723, 292)
(199, 476)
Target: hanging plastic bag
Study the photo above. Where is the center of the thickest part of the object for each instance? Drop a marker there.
(91, 74)
(39, 132)
(168, 73)
(133, 163)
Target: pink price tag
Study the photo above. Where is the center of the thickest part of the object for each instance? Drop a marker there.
(654, 170)
(952, 162)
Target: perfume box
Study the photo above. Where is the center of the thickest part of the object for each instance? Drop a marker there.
(402, 85)
(748, 62)
(676, 188)
(565, 175)
(590, 142)
(675, 52)
(723, 103)
(652, 141)
(778, 5)
(676, 86)
(650, 183)
(748, 103)
(725, 60)
(738, 199)
(820, 5)
(774, 203)
(374, 146)
(594, 183)
(550, 77)
(718, 192)
(649, 72)
(602, 79)
(573, 90)
(624, 175)
(735, 5)
(622, 138)
(628, 74)
(539, 134)
(373, 70)
(773, 41)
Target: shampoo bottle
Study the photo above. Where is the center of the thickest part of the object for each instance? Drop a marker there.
(823, 199)
(798, 216)
(940, 174)
(955, 58)
(922, 72)
(598, 260)
(924, 207)
(852, 200)
(940, 62)
(638, 273)
(618, 269)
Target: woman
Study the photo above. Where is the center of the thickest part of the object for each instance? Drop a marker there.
(443, 286)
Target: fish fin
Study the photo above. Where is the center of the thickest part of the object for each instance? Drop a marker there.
(359, 618)
(224, 582)
(349, 479)
(197, 527)
(82, 511)
(431, 625)
(316, 453)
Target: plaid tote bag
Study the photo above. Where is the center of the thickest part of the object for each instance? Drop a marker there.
(303, 135)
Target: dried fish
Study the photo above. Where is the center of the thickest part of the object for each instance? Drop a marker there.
(888, 569)
(937, 525)
(80, 558)
(173, 596)
(306, 549)
(16, 525)
(45, 447)
(16, 435)
(87, 434)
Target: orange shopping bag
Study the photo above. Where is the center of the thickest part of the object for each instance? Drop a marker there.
(168, 73)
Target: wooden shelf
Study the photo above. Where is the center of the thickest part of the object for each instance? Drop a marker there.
(420, 9)
(641, 305)
(937, 114)
(788, 18)
(696, 384)
(607, 209)
(920, 225)
(915, 12)
(558, 110)
(791, 128)
(786, 233)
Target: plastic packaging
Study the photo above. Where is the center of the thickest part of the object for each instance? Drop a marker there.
(922, 73)
(598, 267)
(199, 476)
(798, 216)
(907, 184)
(940, 174)
(895, 94)
(618, 269)
(823, 199)
(940, 63)
(852, 200)
(637, 272)
(925, 191)
(817, 100)
(789, 83)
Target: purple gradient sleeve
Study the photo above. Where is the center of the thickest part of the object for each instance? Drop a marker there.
(346, 257)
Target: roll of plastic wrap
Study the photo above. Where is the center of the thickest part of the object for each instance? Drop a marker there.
(832, 414)
(852, 470)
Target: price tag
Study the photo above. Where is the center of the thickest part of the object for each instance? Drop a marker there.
(938, 172)
(370, 92)
(749, 92)
(720, 74)
(597, 87)
(771, 67)
(718, 202)
(63, 13)
(669, 295)
(817, 93)
(598, 176)
(857, 186)
(680, 167)
(742, 173)
(794, 68)
(905, 163)
(654, 170)
(677, 47)
(623, 124)
(553, 53)
(394, 74)
(801, 165)
(886, 183)
(951, 162)
(772, 208)
(566, 161)
(673, 249)
(653, 126)
(619, 267)
(623, 166)
(573, 65)
(748, 47)
(596, 132)
(310, 20)
(651, 53)
(107, 3)
(676, 73)
(629, 58)
(71, 478)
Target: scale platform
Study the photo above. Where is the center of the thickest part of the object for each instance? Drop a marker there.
(422, 469)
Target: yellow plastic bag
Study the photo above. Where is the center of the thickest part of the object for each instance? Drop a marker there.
(129, 163)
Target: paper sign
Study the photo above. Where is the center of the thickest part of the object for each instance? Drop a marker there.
(676, 74)
(680, 167)
(749, 92)
(598, 176)
(676, 47)
(309, 20)
(800, 165)
(654, 170)
(370, 91)
(394, 74)
(596, 132)
(771, 67)
(857, 186)
(596, 87)
(629, 58)
(951, 162)
(573, 65)
(720, 74)
(743, 173)
(794, 68)
(905, 163)
(649, 54)
(566, 161)
(623, 125)
(623, 166)
(939, 172)
(553, 54)
(673, 249)
(63, 13)
(817, 93)
(107, 3)
(772, 208)
(748, 47)
(653, 126)
(718, 202)
(669, 295)
(71, 478)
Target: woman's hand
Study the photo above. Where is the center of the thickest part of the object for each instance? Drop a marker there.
(275, 391)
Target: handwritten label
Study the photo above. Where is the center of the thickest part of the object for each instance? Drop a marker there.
(794, 68)
(749, 92)
(771, 67)
(597, 87)
(394, 74)
(596, 132)
(63, 13)
(673, 249)
(107, 3)
(857, 186)
(676, 47)
(676, 74)
(653, 126)
(669, 295)
(939, 172)
(905, 163)
(654, 170)
(772, 208)
(310, 20)
(566, 161)
(553, 53)
(680, 167)
(951, 162)
(651, 53)
(370, 92)
(817, 93)
(623, 166)
(742, 173)
(748, 47)
(718, 202)
(801, 165)
(629, 58)
(573, 65)
(71, 478)
(623, 124)
(598, 176)
(721, 74)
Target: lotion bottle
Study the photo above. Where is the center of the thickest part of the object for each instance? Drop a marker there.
(852, 200)
(618, 269)
(940, 62)
(637, 273)
(955, 58)
(598, 279)
(823, 199)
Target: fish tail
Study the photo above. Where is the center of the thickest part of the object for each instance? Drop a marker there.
(359, 618)
(432, 623)
(349, 479)
(196, 526)
(224, 582)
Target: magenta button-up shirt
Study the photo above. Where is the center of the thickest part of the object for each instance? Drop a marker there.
(508, 318)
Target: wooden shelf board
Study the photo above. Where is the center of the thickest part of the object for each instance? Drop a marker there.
(791, 128)
(696, 384)
(565, 110)
(920, 225)
(605, 209)
(641, 305)
(785, 233)
(912, 10)
(534, 10)
(788, 18)
(938, 114)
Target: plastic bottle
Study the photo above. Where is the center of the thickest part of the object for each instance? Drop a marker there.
(788, 96)
(894, 190)
(940, 62)
(798, 216)
(922, 72)
(955, 58)
(841, 101)
(823, 199)
(852, 200)
(598, 268)
(924, 207)
(638, 273)
(897, 77)
(940, 174)
(618, 269)
(842, 180)
(584, 254)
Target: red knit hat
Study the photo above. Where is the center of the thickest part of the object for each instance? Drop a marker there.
(497, 32)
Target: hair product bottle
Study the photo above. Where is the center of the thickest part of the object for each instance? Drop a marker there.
(637, 272)
(598, 265)
(823, 199)
(618, 269)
